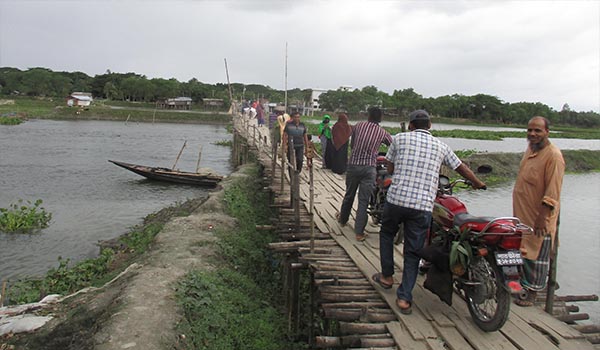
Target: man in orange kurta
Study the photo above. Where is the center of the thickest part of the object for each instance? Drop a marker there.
(536, 201)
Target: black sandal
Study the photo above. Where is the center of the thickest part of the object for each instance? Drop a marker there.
(377, 278)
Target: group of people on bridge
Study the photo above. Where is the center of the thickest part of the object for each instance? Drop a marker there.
(414, 160)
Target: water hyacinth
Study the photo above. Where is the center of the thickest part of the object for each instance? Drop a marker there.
(21, 218)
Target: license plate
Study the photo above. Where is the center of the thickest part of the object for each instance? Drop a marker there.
(512, 257)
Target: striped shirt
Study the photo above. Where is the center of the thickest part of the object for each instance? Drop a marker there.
(366, 139)
(417, 158)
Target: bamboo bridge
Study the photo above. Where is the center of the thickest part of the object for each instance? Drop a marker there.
(359, 314)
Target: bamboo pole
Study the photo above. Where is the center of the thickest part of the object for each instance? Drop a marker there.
(179, 155)
(228, 83)
(126, 120)
(3, 293)
(552, 271)
(285, 98)
(199, 156)
(312, 207)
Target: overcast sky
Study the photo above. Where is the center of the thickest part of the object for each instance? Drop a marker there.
(534, 51)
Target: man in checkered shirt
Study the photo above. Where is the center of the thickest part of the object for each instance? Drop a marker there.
(414, 160)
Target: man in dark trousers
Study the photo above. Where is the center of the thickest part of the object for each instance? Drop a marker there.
(361, 173)
(296, 132)
(414, 160)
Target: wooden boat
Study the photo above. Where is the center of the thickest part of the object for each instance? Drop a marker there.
(164, 174)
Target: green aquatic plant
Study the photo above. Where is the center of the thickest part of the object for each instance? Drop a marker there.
(227, 143)
(24, 218)
(10, 121)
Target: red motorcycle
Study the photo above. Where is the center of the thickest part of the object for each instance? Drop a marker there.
(382, 184)
(478, 256)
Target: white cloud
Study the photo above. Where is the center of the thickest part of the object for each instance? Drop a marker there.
(546, 51)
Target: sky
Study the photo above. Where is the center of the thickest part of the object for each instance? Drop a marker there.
(518, 51)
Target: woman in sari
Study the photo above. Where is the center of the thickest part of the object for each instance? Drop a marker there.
(341, 133)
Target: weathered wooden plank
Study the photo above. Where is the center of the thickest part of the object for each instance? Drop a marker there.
(533, 315)
(417, 325)
(403, 338)
(340, 274)
(363, 305)
(342, 282)
(519, 332)
(452, 339)
(362, 328)
(479, 339)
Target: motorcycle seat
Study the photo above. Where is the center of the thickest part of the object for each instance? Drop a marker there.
(463, 218)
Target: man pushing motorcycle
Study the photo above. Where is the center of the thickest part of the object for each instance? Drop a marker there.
(414, 159)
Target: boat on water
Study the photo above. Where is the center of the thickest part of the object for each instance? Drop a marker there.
(164, 174)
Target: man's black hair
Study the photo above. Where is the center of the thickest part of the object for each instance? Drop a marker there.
(375, 114)
(421, 124)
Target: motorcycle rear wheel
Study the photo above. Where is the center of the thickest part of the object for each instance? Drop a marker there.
(488, 302)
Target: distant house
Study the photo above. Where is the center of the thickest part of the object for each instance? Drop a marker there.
(175, 103)
(79, 99)
(213, 102)
(315, 104)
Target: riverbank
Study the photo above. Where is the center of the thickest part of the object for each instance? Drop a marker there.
(168, 295)
(106, 110)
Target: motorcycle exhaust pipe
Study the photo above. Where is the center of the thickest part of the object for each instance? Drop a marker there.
(516, 289)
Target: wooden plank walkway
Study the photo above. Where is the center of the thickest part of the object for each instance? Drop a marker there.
(368, 315)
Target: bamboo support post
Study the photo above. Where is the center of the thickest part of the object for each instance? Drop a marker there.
(587, 328)
(283, 162)
(571, 318)
(593, 338)
(3, 293)
(552, 271)
(313, 310)
(312, 208)
(179, 155)
(199, 156)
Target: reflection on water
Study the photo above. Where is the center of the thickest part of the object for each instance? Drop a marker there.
(579, 232)
(65, 164)
(512, 145)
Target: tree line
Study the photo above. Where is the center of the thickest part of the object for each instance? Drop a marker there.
(135, 87)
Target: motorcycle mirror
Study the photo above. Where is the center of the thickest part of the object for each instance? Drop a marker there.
(484, 169)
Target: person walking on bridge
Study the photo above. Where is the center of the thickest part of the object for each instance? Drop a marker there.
(296, 132)
(366, 138)
(414, 160)
(536, 202)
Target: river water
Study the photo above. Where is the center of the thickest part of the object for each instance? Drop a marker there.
(65, 164)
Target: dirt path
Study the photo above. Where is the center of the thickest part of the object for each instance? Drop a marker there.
(146, 312)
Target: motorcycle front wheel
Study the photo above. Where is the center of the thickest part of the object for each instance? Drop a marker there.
(488, 300)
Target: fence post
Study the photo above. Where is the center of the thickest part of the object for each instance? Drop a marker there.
(552, 271)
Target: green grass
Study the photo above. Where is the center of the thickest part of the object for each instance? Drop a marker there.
(226, 309)
(24, 218)
(236, 305)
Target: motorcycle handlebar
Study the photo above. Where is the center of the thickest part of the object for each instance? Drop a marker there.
(467, 183)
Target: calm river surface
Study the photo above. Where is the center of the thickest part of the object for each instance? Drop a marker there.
(65, 164)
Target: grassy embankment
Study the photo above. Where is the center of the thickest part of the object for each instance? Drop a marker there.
(234, 306)
(101, 110)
